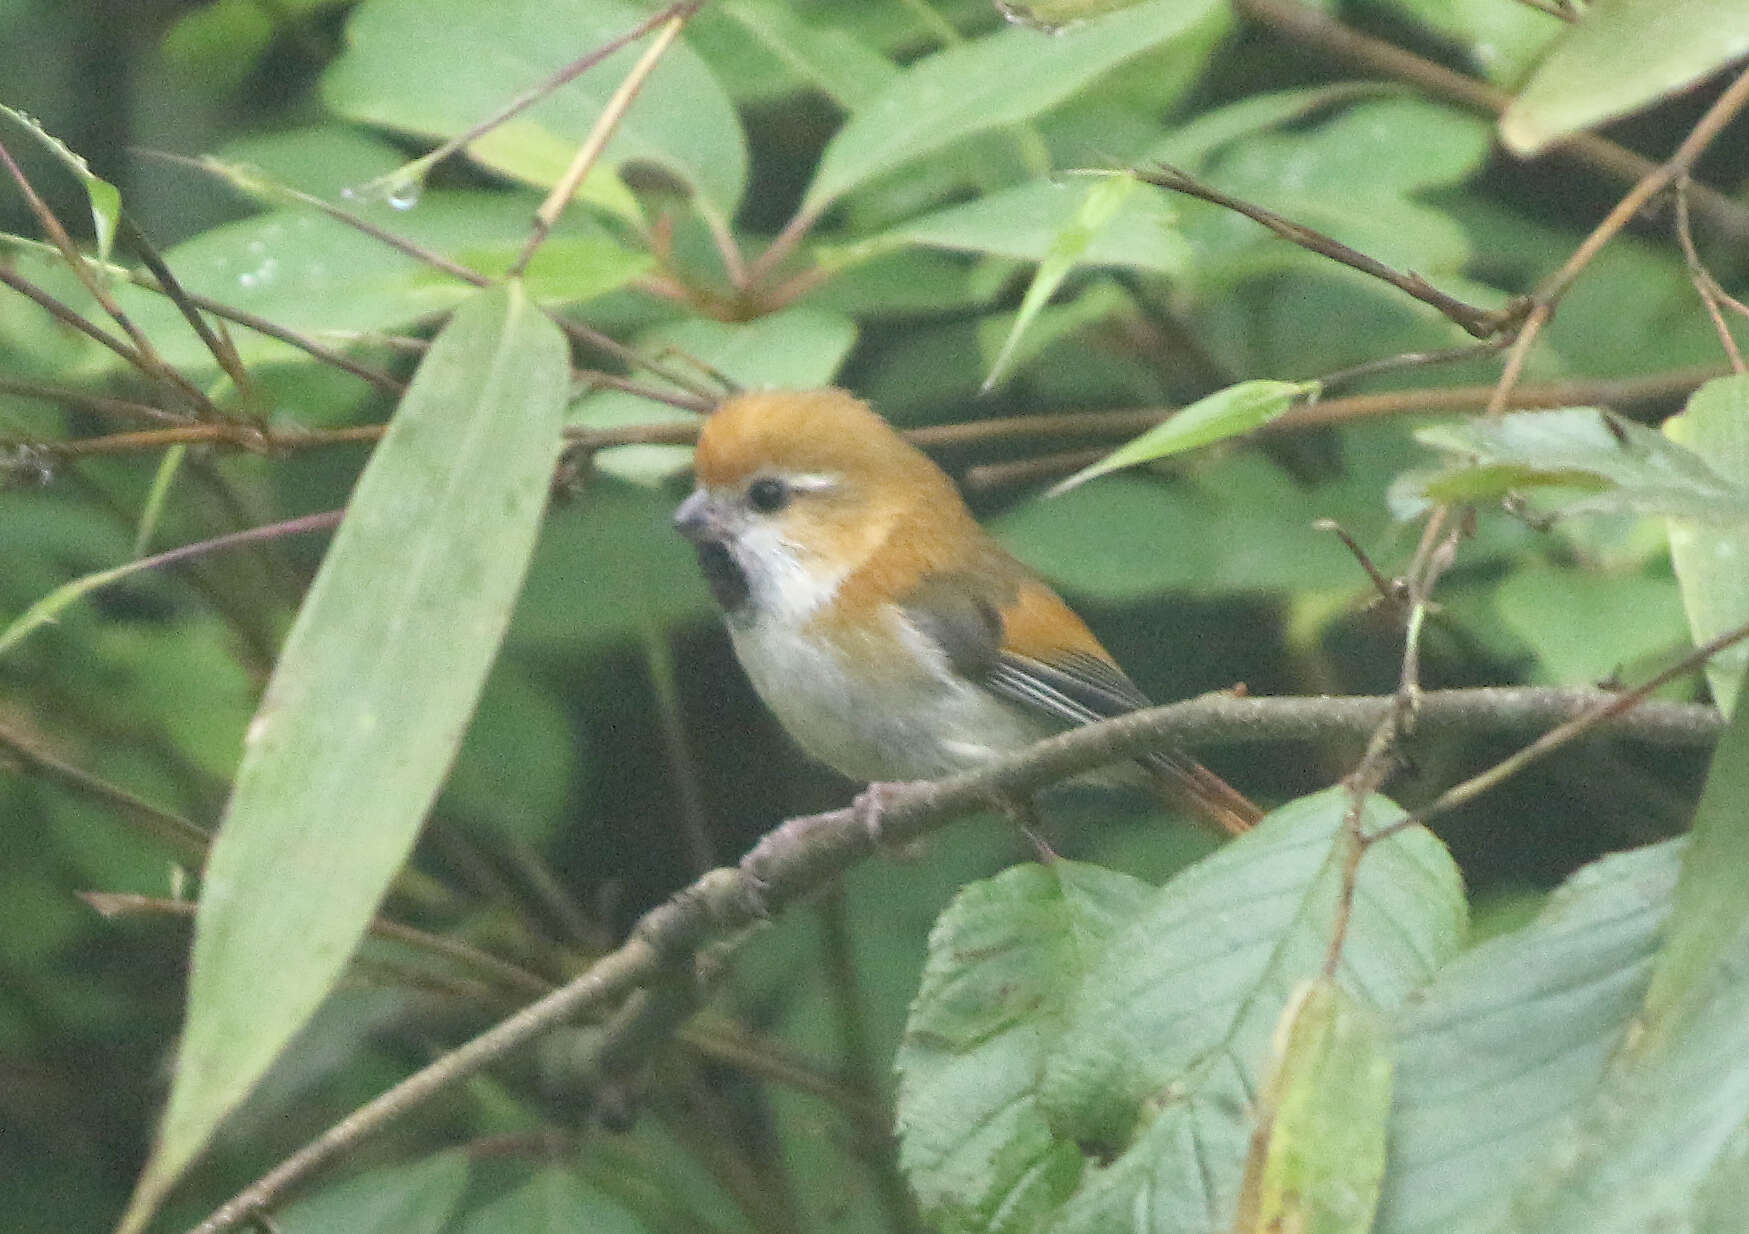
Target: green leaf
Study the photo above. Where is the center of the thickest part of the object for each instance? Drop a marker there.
(1225, 413)
(552, 1200)
(104, 197)
(1638, 1153)
(1005, 961)
(1318, 1164)
(1027, 221)
(796, 349)
(1357, 176)
(319, 276)
(1712, 559)
(984, 84)
(845, 70)
(367, 704)
(438, 67)
(1099, 205)
(1191, 143)
(1495, 1053)
(1627, 466)
(1501, 40)
(1621, 56)
(416, 1198)
(1587, 626)
(1169, 1037)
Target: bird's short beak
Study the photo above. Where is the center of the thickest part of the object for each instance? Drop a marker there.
(697, 520)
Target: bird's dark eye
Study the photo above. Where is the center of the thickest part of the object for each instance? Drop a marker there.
(768, 495)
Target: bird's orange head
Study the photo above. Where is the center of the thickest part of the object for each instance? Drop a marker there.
(800, 490)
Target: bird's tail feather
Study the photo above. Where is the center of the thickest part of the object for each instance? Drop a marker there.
(1186, 784)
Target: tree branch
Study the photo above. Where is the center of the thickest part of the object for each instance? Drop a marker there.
(805, 855)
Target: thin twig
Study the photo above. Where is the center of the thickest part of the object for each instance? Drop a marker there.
(186, 839)
(481, 965)
(221, 347)
(1479, 322)
(145, 356)
(1599, 714)
(102, 404)
(531, 96)
(1712, 295)
(547, 216)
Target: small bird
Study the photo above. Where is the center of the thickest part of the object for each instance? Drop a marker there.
(888, 632)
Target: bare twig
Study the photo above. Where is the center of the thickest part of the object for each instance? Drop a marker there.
(531, 96)
(611, 114)
(1714, 297)
(1481, 323)
(1600, 713)
(186, 839)
(144, 356)
(102, 404)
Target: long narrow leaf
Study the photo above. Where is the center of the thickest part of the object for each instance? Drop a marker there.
(367, 705)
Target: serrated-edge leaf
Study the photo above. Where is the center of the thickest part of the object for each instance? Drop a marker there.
(367, 704)
(1238, 409)
(1510, 1036)
(1004, 961)
(1169, 1040)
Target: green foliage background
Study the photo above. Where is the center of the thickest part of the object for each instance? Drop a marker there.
(616, 751)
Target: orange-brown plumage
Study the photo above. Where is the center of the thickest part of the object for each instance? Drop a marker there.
(886, 629)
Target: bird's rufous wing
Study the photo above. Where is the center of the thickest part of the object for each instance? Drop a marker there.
(1017, 638)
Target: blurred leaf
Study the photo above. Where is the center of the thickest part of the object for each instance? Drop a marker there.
(1005, 961)
(356, 729)
(1712, 560)
(983, 84)
(1319, 1156)
(1626, 465)
(1055, 15)
(795, 349)
(437, 67)
(1068, 248)
(1586, 626)
(323, 160)
(552, 1200)
(104, 197)
(609, 566)
(1636, 1155)
(1621, 56)
(415, 1198)
(319, 276)
(1225, 413)
(1073, 321)
(1208, 132)
(1502, 40)
(1495, 1053)
(1355, 176)
(825, 57)
(518, 766)
(1027, 221)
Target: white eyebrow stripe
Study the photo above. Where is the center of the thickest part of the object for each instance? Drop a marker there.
(813, 481)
